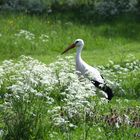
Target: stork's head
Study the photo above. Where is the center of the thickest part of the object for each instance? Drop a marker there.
(77, 43)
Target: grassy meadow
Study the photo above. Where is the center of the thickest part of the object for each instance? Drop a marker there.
(41, 96)
(103, 41)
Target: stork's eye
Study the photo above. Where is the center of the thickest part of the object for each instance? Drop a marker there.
(76, 42)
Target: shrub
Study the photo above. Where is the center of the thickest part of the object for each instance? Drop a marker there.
(30, 6)
(104, 8)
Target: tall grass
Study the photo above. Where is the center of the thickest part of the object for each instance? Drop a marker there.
(113, 40)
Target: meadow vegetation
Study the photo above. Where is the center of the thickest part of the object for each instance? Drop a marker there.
(41, 101)
(40, 36)
(41, 96)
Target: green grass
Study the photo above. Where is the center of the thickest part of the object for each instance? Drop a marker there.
(103, 41)
(114, 40)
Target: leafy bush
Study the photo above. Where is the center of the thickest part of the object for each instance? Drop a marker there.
(31, 6)
(91, 8)
(109, 8)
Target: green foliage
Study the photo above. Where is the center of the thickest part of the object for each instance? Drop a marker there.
(30, 114)
(46, 38)
(126, 71)
(95, 9)
(45, 102)
(25, 119)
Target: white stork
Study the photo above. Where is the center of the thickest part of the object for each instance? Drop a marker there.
(85, 69)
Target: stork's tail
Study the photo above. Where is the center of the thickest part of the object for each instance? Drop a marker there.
(105, 88)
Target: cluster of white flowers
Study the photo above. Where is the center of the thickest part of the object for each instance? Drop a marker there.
(118, 73)
(130, 66)
(31, 36)
(58, 81)
(75, 92)
(26, 34)
(44, 38)
(69, 98)
(127, 67)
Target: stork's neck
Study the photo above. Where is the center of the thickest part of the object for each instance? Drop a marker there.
(78, 58)
(79, 61)
(78, 52)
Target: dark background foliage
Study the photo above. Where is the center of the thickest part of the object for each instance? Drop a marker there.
(96, 9)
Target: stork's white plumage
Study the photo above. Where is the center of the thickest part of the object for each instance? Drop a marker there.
(87, 70)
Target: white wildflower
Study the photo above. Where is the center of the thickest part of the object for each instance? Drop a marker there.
(117, 67)
(117, 125)
(72, 125)
(126, 119)
(39, 94)
(44, 38)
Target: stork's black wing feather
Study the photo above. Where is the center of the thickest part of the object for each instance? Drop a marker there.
(105, 88)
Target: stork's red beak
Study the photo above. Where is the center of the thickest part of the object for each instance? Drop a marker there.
(68, 48)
